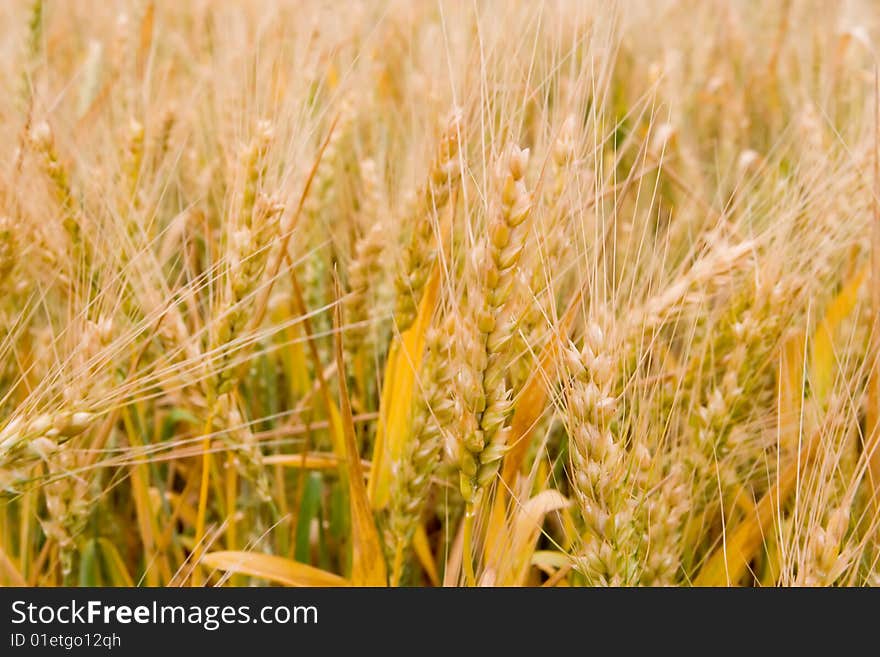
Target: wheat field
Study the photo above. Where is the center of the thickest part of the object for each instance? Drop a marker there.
(439, 293)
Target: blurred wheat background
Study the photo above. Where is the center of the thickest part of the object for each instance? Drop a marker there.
(439, 293)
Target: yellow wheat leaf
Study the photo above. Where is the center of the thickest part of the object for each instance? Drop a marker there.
(294, 355)
(791, 390)
(823, 360)
(9, 573)
(526, 529)
(332, 76)
(404, 362)
(368, 561)
(772, 561)
(730, 561)
(550, 560)
(381, 431)
(309, 461)
(272, 568)
(337, 432)
(146, 38)
(423, 554)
